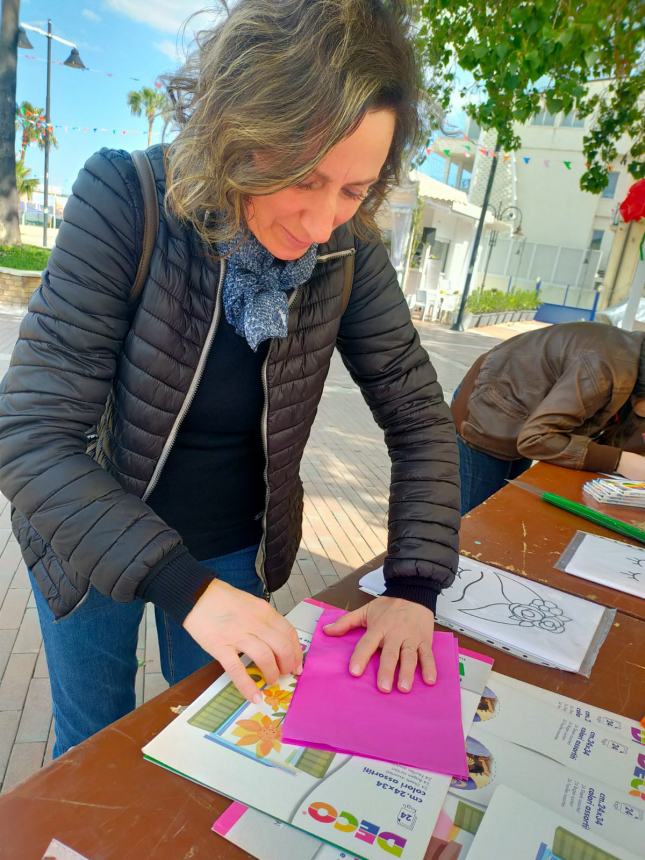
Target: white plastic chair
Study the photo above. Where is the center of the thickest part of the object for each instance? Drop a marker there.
(426, 299)
(427, 296)
(447, 305)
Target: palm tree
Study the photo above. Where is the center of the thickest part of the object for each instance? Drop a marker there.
(152, 103)
(25, 184)
(32, 122)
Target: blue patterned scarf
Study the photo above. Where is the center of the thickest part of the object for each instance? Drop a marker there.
(255, 288)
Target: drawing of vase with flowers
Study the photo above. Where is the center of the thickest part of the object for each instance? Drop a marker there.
(501, 600)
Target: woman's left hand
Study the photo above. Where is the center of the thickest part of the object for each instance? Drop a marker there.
(402, 630)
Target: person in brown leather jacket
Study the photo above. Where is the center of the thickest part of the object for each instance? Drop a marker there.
(571, 394)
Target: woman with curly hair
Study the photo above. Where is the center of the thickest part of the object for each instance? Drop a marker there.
(293, 120)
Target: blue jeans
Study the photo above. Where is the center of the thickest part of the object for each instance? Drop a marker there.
(482, 474)
(92, 653)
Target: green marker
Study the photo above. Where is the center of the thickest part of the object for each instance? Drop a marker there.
(581, 510)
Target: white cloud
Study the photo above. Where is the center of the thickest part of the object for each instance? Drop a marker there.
(91, 16)
(171, 50)
(167, 16)
(88, 46)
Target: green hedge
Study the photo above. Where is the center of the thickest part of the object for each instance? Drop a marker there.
(490, 301)
(28, 257)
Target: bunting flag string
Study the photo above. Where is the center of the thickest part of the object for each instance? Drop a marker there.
(39, 122)
(472, 146)
(523, 160)
(86, 69)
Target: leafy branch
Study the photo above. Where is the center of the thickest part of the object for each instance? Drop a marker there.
(526, 56)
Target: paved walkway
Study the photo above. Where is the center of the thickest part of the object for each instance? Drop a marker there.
(346, 477)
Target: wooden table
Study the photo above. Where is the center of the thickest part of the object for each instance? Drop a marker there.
(518, 531)
(105, 801)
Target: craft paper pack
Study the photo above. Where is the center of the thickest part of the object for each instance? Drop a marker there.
(596, 743)
(271, 839)
(590, 802)
(268, 838)
(616, 491)
(421, 728)
(608, 562)
(235, 748)
(526, 618)
(516, 828)
(577, 761)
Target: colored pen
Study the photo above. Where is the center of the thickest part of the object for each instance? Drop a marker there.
(581, 510)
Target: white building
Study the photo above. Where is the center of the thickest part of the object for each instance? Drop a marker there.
(438, 259)
(565, 234)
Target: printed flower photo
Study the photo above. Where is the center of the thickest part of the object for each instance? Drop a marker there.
(259, 731)
(255, 731)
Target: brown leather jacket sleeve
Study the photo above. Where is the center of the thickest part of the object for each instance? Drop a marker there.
(555, 431)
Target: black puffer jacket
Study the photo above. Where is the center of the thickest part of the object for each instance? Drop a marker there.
(80, 521)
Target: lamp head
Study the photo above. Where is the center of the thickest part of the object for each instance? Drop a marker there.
(74, 60)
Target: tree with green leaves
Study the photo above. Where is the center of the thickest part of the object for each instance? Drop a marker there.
(152, 103)
(30, 121)
(25, 183)
(524, 56)
(9, 203)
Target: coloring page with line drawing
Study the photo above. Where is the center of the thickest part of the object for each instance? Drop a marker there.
(529, 617)
(497, 597)
(608, 562)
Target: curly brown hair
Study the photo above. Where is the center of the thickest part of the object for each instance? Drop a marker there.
(271, 89)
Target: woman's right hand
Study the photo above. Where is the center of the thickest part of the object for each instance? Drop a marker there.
(227, 621)
(631, 466)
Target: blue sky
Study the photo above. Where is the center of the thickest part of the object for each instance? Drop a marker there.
(125, 39)
(118, 40)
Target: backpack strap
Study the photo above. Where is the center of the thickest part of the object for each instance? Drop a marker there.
(150, 220)
(150, 226)
(348, 280)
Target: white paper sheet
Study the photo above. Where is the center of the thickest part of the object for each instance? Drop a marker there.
(608, 562)
(58, 851)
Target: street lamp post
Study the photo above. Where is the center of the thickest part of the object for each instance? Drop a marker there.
(73, 62)
(499, 214)
(47, 121)
(458, 323)
(492, 241)
(519, 254)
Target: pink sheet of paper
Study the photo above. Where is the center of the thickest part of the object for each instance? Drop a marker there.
(333, 710)
(229, 818)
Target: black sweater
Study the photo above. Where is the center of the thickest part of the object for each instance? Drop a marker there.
(212, 487)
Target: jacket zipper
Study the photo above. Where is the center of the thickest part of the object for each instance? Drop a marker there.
(261, 556)
(323, 258)
(259, 559)
(190, 396)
